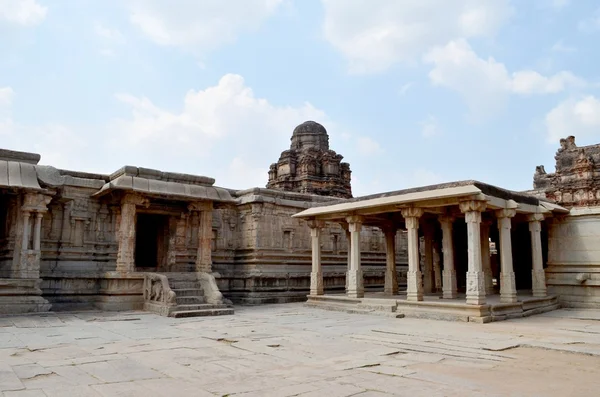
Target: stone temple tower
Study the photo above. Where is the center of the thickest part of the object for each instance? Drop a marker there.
(309, 166)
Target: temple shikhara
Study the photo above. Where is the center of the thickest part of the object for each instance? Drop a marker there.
(179, 245)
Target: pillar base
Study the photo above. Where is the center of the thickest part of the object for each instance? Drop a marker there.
(414, 288)
(508, 289)
(489, 282)
(449, 285)
(355, 284)
(391, 282)
(538, 278)
(316, 283)
(475, 288)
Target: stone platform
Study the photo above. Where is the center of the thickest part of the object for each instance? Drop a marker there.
(434, 307)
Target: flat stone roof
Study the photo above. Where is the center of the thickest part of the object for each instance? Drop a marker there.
(21, 175)
(433, 193)
(165, 184)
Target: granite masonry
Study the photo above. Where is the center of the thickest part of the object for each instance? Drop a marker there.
(171, 243)
(178, 245)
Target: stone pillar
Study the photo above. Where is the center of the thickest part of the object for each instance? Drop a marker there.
(485, 257)
(126, 250)
(26, 230)
(414, 286)
(27, 264)
(347, 230)
(428, 276)
(205, 235)
(538, 275)
(37, 232)
(316, 274)
(355, 277)
(449, 285)
(508, 288)
(391, 276)
(437, 267)
(475, 277)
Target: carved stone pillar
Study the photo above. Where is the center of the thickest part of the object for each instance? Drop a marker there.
(127, 226)
(26, 230)
(449, 286)
(428, 276)
(27, 265)
(486, 261)
(538, 274)
(508, 288)
(437, 267)
(355, 276)
(37, 232)
(475, 277)
(391, 276)
(414, 286)
(205, 235)
(316, 274)
(347, 230)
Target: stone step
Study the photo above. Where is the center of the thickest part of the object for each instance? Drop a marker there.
(201, 313)
(180, 292)
(183, 284)
(189, 300)
(198, 306)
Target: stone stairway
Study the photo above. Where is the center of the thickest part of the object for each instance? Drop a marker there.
(190, 297)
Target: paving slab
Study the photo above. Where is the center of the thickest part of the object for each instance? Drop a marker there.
(293, 350)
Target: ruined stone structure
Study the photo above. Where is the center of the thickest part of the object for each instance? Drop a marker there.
(178, 245)
(310, 166)
(573, 270)
(169, 243)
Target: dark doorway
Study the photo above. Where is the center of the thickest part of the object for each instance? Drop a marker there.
(151, 242)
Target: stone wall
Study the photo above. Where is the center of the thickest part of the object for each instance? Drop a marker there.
(573, 268)
(573, 271)
(263, 255)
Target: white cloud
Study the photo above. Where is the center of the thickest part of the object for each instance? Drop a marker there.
(591, 24)
(214, 125)
(574, 117)
(404, 89)
(429, 127)
(485, 83)
(22, 12)
(559, 46)
(199, 26)
(376, 35)
(223, 131)
(560, 3)
(108, 33)
(6, 96)
(368, 147)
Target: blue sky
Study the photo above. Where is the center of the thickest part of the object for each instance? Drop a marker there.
(412, 92)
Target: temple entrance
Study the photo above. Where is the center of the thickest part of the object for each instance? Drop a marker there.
(151, 242)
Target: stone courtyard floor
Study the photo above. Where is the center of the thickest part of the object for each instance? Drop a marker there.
(289, 350)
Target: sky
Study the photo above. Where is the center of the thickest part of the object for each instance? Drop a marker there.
(412, 92)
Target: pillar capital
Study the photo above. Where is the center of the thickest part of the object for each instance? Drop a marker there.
(200, 206)
(355, 219)
(506, 213)
(472, 206)
(316, 224)
(446, 219)
(535, 217)
(388, 227)
(412, 212)
(35, 202)
(135, 199)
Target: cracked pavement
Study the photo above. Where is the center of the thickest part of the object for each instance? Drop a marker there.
(292, 350)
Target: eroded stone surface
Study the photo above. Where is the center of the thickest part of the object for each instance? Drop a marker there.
(289, 350)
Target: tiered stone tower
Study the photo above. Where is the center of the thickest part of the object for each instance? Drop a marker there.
(310, 166)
